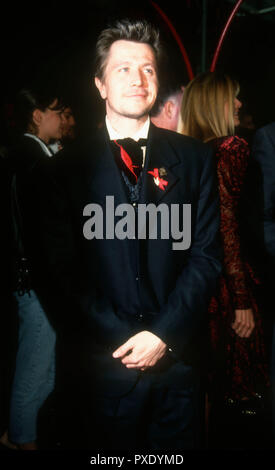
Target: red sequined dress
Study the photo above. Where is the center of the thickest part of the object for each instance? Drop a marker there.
(238, 367)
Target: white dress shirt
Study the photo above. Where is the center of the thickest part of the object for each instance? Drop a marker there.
(140, 134)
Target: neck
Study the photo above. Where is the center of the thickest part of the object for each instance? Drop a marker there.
(43, 138)
(38, 134)
(160, 121)
(127, 127)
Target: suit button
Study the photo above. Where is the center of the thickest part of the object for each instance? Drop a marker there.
(137, 278)
(134, 204)
(140, 317)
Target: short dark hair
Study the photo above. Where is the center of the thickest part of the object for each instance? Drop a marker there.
(27, 100)
(137, 31)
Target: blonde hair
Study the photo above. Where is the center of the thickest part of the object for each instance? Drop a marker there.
(203, 106)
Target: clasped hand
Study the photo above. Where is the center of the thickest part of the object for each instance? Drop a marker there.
(244, 322)
(141, 351)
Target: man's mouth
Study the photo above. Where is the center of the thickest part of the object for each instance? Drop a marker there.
(137, 95)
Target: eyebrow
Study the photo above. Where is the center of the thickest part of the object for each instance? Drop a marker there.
(127, 62)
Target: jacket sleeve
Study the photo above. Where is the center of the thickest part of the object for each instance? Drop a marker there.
(184, 316)
(233, 157)
(263, 153)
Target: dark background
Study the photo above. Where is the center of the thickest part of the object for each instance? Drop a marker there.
(54, 40)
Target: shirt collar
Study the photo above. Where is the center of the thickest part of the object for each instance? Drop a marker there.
(141, 134)
(42, 144)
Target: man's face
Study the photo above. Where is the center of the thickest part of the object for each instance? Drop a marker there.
(130, 81)
(68, 124)
(50, 125)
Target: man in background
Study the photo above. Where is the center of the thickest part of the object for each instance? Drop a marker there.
(261, 186)
(68, 131)
(166, 110)
(38, 120)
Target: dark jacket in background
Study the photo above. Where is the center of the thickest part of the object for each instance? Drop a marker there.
(27, 161)
(8, 317)
(258, 219)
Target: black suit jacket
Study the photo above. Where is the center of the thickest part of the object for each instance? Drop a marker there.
(258, 216)
(259, 197)
(115, 288)
(27, 160)
(264, 154)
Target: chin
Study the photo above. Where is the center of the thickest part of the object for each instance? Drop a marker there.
(138, 113)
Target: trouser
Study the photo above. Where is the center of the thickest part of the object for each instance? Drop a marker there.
(34, 376)
(273, 382)
(152, 415)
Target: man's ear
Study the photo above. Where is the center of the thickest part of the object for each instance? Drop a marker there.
(169, 109)
(101, 87)
(37, 117)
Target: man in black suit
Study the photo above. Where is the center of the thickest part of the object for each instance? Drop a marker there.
(132, 316)
(263, 164)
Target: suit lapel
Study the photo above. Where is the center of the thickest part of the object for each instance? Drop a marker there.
(104, 177)
(160, 156)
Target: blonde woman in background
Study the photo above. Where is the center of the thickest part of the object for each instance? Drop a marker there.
(237, 365)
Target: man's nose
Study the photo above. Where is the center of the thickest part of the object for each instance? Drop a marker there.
(137, 78)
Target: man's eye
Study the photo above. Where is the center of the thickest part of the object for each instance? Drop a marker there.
(149, 70)
(124, 69)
